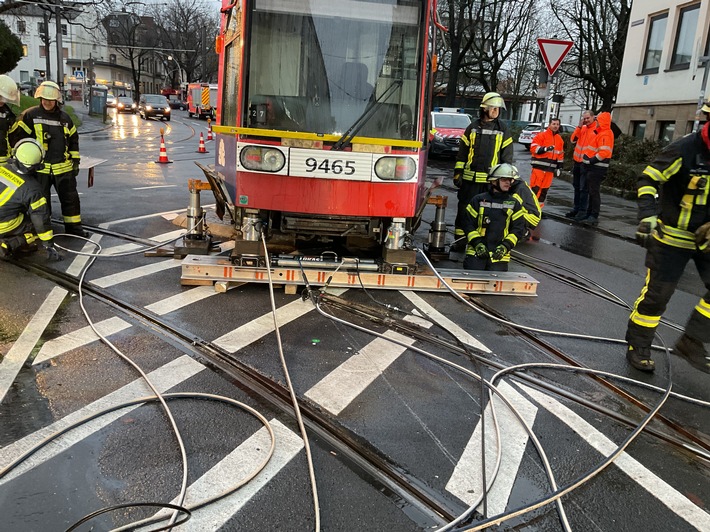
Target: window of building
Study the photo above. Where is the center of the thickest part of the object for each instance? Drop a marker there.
(64, 29)
(112, 59)
(21, 27)
(666, 130)
(25, 50)
(40, 28)
(638, 129)
(685, 37)
(654, 44)
(42, 51)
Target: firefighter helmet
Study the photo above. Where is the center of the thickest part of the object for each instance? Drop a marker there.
(48, 90)
(706, 107)
(503, 170)
(492, 99)
(8, 90)
(29, 154)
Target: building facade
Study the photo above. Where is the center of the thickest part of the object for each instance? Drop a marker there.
(665, 68)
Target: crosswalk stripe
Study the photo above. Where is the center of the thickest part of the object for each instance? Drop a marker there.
(125, 248)
(135, 273)
(665, 493)
(466, 480)
(78, 338)
(169, 304)
(163, 378)
(342, 385)
(239, 338)
(22, 348)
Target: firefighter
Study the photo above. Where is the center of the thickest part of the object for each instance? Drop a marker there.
(485, 143)
(547, 151)
(493, 222)
(21, 195)
(532, 211)
(674, 228)
(8, 94)
(54, 129)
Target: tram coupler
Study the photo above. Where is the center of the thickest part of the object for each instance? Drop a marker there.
(249, 250)
(397, 258)
(436, 247)
(197, 240)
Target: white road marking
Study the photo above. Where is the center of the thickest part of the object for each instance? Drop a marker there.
(135, 273)
(22, 348)
(342, 385)
(79, 262)
(237, 465)
(665, 493)
(146, 216)
(78, 338)
(466, 481)
(239, 338)
(125, 248)
(437, 316)
(183, 299)
(163, 378)
(154, 186)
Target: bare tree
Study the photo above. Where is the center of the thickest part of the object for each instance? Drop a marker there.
(598, 29)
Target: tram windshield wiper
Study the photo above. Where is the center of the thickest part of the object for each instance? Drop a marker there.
(365, 117)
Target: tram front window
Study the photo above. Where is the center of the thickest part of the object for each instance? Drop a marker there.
(316, 65)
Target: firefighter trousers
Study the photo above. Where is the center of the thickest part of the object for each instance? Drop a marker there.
(18, 239)
(466, 193)
(665, 266)
(65, 185)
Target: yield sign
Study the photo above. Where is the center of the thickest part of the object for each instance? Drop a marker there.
(553, 52)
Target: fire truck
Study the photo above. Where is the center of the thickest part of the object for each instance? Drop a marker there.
(202, 100)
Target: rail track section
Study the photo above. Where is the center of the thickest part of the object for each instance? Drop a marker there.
(388, 386)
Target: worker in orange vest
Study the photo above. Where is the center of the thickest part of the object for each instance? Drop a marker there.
(596, 159)
(547, 150)
(579, 139)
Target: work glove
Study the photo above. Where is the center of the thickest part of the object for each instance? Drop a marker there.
(481, 251)
(75, 167)
(645, 230)
(702, 237)
(499, 252)
(52, 253)
(549, 148)
(457, 180)
(558, 172)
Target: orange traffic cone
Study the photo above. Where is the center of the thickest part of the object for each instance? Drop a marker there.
(201, 148)
(209, 130)
(163, 159)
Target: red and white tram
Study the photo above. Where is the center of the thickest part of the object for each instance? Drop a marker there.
(322, 117)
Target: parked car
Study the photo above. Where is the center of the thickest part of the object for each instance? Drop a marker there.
(155, 105)
(110, 100)
(126, 105)
(177, 104)
(446, 130)
(532, 129)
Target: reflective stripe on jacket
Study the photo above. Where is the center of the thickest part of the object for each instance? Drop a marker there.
(483, 145)
(19, 195)
(600, 143)
(579, 139)
(548, 161)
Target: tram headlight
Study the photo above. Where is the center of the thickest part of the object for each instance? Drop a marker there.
(395, 168)
(262, 159)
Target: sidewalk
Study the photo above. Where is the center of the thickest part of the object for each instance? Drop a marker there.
(89, 124)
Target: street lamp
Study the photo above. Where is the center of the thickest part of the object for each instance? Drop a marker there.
(171, 58)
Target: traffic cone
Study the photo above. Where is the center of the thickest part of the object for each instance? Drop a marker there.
(201, 148)
(163, 159)
(209, 130)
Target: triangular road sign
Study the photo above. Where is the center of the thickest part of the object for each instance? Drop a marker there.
(553, 52)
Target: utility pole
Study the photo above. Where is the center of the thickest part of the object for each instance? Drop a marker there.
(60, 52)
(204, 55)
(45, 39)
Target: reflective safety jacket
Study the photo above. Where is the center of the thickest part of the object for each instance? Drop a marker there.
(494, 218)
(680, 175)
(522, 192)
(579, 139)
(599, 144)
(547, 161)
(7, 119)
(57, 134)
(20, 195)
(483, 145)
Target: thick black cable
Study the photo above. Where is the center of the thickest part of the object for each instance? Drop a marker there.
(179, 509)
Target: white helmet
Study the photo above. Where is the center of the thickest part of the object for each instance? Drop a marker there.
(503, 170)
(492, 99)
(8, 90)
(48, 90)
(29, 155)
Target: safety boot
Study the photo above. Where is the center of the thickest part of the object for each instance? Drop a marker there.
(591, 220)
(76, 230)
(571, 214)
(640, 358)
(694, 352)
(5, 252)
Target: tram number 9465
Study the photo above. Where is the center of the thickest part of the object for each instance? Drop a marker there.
(330, 166)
